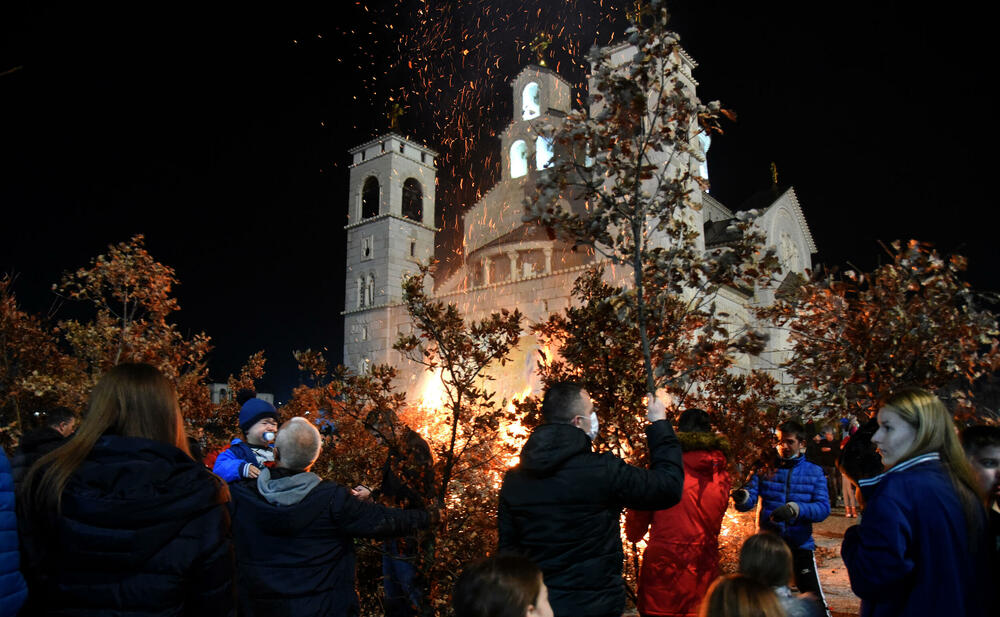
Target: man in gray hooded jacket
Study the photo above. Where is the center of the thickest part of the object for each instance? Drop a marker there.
(294, 532)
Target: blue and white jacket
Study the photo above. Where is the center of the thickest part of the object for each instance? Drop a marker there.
(911, 553)
(795, 480)
(233, 462)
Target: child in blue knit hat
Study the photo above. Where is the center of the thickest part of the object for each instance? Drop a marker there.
(258, 421)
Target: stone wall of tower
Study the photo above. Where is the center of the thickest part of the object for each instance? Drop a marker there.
(536, 297)
(620, 57)
(384, 248)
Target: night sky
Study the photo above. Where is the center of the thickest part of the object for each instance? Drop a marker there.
(222, 135)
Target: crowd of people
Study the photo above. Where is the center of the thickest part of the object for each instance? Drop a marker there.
(115, 514)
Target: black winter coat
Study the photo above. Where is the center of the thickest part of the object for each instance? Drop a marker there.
(144, 530)
(298, 559)
(34, 445)
(562, 504)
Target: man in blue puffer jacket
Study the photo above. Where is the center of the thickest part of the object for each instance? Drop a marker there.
(794, 496)
(13, 591)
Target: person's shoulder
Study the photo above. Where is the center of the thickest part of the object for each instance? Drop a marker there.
(810, 466)
(192, 474)
(243, 487)
(336, 495)
(238, 448)
(928, 476)
(905, 487)
(602, 456)
(229, 448)
(608, 459)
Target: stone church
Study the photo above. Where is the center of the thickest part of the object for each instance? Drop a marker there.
(508, 264)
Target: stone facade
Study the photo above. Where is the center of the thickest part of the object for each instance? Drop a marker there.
(507, 264)
(219, 393)
(390, 231)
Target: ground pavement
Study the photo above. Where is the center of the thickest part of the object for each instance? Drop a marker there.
(832, 573)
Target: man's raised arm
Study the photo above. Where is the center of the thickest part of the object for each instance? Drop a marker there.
(662, 485)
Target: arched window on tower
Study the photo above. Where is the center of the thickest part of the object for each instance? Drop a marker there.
(370, 292)
(530, 106)
(706, 142)
(413, 200)
(518, 159)
(361, 292)
(543, 152)
(370, 198)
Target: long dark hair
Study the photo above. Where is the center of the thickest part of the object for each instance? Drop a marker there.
(765, 557)
(131, 400)
(503, 586)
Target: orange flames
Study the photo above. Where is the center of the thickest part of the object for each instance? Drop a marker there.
(513, 432)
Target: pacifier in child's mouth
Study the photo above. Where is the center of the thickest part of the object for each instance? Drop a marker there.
(268, 436)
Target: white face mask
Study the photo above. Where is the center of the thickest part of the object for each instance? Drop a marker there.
(594, 425)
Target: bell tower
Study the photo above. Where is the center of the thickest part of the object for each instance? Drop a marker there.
(539, 95)
(390, 231)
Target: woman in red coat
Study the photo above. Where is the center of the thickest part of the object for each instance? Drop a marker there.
(682, 556)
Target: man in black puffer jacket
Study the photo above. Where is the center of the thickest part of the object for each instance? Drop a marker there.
(294, 533)
(561, 505)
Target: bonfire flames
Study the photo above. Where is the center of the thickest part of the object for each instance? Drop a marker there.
(432, 420)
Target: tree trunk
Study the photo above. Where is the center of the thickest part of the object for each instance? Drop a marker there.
(641, 304)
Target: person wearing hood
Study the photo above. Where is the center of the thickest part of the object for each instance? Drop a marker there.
(245, 459)
(794, 496)
(294, 532)
(121, 520)
(60, 422)
(682, 556)
(561, 505)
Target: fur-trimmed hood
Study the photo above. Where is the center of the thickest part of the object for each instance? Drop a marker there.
(691, 442)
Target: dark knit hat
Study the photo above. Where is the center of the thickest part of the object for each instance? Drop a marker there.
(253, 411)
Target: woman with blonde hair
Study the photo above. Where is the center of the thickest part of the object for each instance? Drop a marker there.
(737, 595)
(919, 547)
(120, 518)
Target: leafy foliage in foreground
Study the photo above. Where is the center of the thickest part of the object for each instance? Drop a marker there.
(624, 180)
(599, 347)
(858, 336)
